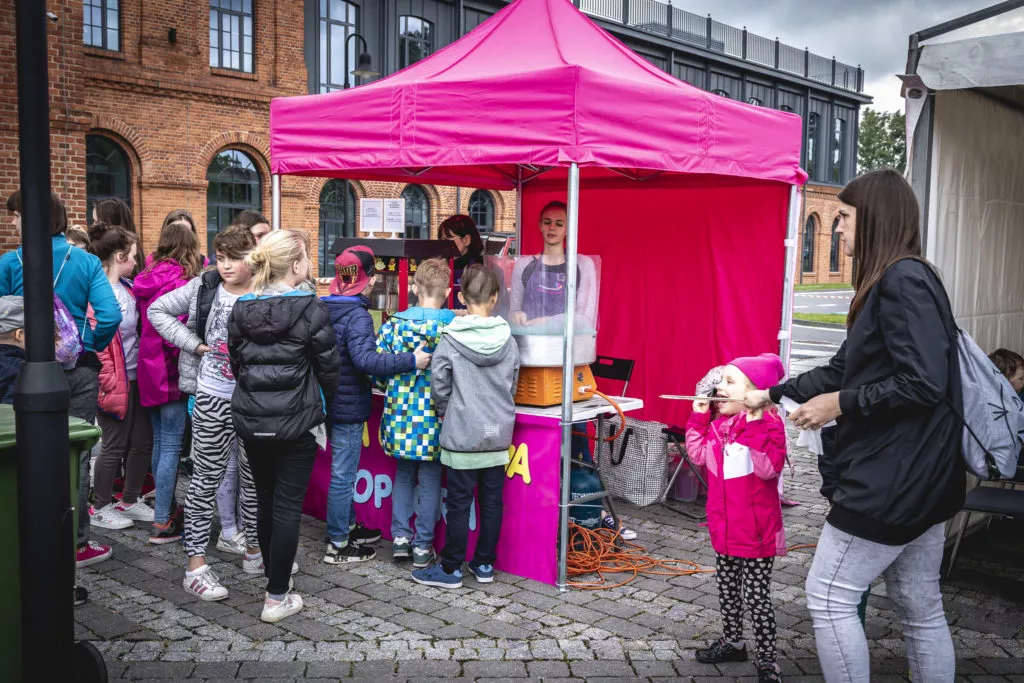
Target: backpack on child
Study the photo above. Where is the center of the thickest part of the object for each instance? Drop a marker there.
(68, 344)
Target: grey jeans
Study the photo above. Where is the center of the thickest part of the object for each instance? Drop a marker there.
(844, 567)
(84, 384)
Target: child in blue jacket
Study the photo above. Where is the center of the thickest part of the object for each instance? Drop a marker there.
(348, 305)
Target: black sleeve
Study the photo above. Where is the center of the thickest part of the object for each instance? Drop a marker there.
(234, 345)
(815, 382)
(323, 351)
(917, 339)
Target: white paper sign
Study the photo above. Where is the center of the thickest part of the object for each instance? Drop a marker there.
(394, 216)
(371, 215)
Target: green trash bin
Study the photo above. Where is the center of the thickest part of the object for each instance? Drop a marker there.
(82, 436)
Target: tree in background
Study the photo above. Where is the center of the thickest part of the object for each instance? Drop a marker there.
(882, 141)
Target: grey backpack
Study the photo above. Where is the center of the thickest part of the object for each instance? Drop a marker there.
(992, 413)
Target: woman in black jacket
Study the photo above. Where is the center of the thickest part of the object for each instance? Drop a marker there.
(898, 471)
(285, 361)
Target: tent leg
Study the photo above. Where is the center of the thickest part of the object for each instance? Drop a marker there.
(786, 328)
(275, 201)
(571, 246)
(519, 209)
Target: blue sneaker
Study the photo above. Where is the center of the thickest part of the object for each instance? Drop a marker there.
(484, 573)
(434, 575)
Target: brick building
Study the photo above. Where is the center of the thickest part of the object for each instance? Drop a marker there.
(166, 104)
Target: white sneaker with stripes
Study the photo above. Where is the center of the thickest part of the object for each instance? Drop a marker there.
(204, 584)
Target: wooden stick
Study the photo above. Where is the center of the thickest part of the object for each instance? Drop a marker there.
(673, 397)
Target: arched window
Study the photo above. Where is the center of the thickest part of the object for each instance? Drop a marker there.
(808, 251)
(481, 209)
(337, 219)
(234, 186)
(417, 213)
(720, 92)
(415, 40)
(755, 101)
(107, 173)
(833, 252)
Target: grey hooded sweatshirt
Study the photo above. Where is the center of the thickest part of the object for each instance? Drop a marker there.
(473, 380)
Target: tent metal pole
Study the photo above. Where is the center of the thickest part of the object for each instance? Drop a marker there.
(571, 246)
(788, 289)
(275, 201)
(519, 208)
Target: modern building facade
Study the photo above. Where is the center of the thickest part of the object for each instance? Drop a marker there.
(166, 104)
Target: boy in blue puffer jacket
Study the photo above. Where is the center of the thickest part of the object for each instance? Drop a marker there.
(354, 278)
(410, 425)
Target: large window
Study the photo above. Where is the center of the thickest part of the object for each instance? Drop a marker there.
(833, 252)
(813, 121)
(481, 209)
(107, 173)
(838, 150)
(415, 40)
(338, 21)
(231, 27)
(234, 186)
(417, 213)
(808, 250)
(337, 219)
(101, 24)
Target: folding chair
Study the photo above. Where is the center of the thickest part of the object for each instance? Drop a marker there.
(1000, 502)
(677, 435)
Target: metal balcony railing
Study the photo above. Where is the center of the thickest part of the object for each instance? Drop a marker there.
(658, 18)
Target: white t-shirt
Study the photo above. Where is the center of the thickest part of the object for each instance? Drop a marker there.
(129, 328)
(215, 377)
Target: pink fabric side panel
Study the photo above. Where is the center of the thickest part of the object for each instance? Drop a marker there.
(766, 439)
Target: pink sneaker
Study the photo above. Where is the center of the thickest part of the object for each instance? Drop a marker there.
(92, 553)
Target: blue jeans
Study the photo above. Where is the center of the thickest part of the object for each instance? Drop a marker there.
(346, 445)
(843, 568)
(168, 431)
(427, 505)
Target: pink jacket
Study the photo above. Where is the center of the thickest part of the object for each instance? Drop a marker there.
(114, 387)
(158, 360)
(744, 459)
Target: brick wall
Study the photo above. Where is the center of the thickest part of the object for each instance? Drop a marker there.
(821, 205)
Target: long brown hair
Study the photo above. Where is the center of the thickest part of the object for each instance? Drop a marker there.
(107, 240)
(888, 228)
(180, 244)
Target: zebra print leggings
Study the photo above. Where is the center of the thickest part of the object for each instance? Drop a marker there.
(213, 437)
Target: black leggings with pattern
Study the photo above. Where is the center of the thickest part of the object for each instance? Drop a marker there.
(740, 580)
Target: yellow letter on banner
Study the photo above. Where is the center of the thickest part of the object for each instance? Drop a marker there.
(366, 436)
(519, 463)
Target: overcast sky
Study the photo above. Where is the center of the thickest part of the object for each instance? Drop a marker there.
(872, 33)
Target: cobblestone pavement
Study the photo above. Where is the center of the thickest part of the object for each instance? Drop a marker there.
(371, 622)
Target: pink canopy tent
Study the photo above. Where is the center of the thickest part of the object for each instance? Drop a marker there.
(690, 199)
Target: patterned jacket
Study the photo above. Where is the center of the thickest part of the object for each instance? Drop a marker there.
(410, 427)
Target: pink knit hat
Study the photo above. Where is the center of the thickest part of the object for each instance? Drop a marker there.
(764, 371)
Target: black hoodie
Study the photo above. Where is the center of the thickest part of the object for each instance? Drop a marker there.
(285, 360)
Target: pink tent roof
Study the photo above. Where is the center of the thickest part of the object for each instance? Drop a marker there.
(538, 85)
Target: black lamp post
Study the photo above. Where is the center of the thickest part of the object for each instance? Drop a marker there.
(364, 69)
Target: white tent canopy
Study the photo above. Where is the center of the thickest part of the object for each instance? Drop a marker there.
(965, 132)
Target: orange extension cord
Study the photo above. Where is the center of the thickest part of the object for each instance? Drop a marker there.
(603, 551)
(622, 420)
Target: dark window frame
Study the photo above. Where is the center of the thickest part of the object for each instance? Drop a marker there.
(721, 93)
(218, 13)
(407, 41)
(839, 134)
(834, 257)
(755, 101)
(325, 23)
(812, 144)
(420, 222)
(91, 198)
(220, 213)
(488, 211)
(105, 7)
(341, 222)
(807, 250)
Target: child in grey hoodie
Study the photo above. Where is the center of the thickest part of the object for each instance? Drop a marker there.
(474, 374)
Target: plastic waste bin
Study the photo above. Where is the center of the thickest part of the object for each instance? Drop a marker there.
(81, 436)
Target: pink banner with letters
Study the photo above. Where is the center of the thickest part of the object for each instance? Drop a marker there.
(529, 529)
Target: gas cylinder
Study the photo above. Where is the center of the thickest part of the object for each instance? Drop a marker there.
(583, 482)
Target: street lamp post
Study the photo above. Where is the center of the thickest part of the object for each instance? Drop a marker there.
(364, 68)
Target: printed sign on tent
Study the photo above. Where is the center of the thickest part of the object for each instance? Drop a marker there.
(371, 216)
(394, 216)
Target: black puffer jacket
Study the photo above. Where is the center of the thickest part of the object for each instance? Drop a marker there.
(896, 464)
(285, 361)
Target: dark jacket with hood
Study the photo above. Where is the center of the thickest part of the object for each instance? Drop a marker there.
(897, 462)
(285, 363)
(11, 359)
(357, 347)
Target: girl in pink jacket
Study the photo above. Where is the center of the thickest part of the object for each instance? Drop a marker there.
(744, 452)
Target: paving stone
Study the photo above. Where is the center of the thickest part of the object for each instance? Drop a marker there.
(417, 622)
(376, 608)
(428, 668)
(216, 670)
(309, 628)
(272, 670)
(547, 670)
(462, 617)
(500, 629)
(623, 628)
(590, 669)
(494, 669)
(652, 669)
(172, 670)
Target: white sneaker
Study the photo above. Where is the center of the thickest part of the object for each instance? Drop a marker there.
(234, 545)
(137, 511)
(108, 517)
(274, 611)
(255, 566)
(205, 584)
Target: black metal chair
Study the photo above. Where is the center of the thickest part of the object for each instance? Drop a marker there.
(615, 369)
(990, 500)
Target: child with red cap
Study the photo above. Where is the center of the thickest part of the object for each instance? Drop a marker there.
(744, 451)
